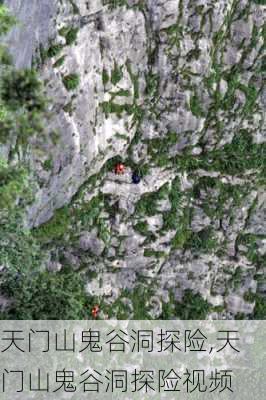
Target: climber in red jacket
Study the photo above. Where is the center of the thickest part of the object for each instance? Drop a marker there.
(120, 169)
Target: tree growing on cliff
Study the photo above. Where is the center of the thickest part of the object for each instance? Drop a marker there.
(30, 291)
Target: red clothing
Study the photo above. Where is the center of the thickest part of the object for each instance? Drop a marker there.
(95, 311)
(119, 169)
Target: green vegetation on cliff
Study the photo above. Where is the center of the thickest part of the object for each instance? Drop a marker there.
(32, 292)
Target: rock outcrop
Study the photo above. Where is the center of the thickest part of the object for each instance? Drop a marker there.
(174, 88)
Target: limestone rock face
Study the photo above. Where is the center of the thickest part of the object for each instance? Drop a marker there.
(92, 243)
(37, 24)
(175, 89)
(111, 43)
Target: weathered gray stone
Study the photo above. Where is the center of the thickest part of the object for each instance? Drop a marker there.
(37, 24)
(90, 242)
(192, 82)
(257, 221)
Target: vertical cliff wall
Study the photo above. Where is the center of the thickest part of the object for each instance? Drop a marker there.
(175, 88)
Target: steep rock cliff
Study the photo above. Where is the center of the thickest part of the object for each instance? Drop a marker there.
(175, 89)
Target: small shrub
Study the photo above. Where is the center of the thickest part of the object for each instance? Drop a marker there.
(116, 75)
(105, 77)
(193, 306)
(112, 4)
(54, 50)
(260, 307)
(74, 7)
(6, 20)
(70, 34)
(55, 228)
(13, 185)
(71, 81)
(260, 2)
(68, 108)
(48, 164)
(203, 241)
(5, 57)
(139, 298)
(195, 107)
(142, 227)
(152, 84)
(59, 62)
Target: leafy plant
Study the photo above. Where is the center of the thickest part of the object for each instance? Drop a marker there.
(54, 50)
(105, 77)
(45, 295)
(6, 20)
(260, 307)
(196, 107)
(22, 88)
(71, 81)
(260, 2)
(74, 7)
(55, 228)
(115, 3)
(193, 306)
(59, 62)
(139, 298)
(203, 241)
(70, 34)
(13, 185)
(116, 74)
